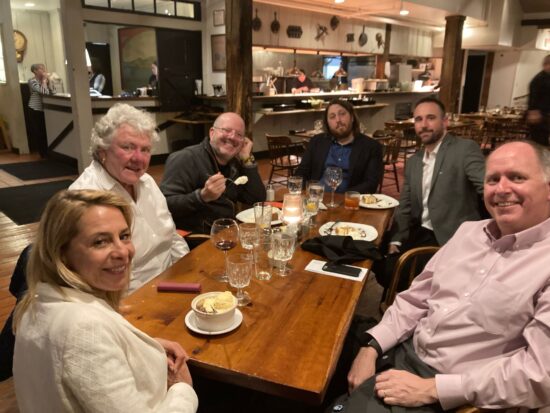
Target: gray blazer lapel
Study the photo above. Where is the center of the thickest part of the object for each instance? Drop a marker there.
(416, 178)
(441, 153)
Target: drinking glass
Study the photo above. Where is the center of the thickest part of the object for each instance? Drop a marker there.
(224, 235)
(351, 200)
(240, 270)
(248, 235)
(295, 184)
(262, 260)
(315, 190)
(263, 214)
(311, 207)
(333, 177)
(282, 250)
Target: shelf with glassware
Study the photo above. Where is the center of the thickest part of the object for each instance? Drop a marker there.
(271, 112)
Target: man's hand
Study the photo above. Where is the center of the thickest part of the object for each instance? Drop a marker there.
(534, 116)
(363, 367)
(246, 149)
(393, 249)
(213, 188)
(401, 388)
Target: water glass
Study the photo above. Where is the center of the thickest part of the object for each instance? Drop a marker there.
(263, 214)
(282, 250)
(262, 261)
(295, 184)
(248, 235)
(315, 190)
(239, 270)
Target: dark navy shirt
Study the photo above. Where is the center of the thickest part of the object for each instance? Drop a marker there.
(338, 155)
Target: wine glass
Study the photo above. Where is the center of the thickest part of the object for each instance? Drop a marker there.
(282, 250)
(248, 235)
(333, 177)
(240, 270)
(224, 235)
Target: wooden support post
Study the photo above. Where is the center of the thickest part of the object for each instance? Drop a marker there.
(451, 71)
(384, 57)
(239, 59)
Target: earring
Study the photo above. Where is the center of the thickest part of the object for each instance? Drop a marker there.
(103, 160)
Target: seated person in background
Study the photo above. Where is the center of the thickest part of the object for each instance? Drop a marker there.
(73, 350)
(121, 145)
(344, 146)
(97, 79)
(154, 78)
(195, 178)
(442, 188)
(301, 83)
(474, 326)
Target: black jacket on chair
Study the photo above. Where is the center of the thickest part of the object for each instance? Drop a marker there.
(365, 164)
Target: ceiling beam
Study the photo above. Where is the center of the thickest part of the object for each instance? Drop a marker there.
(540, 23)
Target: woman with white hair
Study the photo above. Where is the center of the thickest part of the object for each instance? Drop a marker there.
(73, 351)
(121, 146)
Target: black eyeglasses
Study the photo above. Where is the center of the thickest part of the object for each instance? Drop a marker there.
(229, 131)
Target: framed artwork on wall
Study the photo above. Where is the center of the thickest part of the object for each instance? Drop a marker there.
(219, 17)
(138, 49)
(218, 53)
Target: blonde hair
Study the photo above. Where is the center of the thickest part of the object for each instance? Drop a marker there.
(58, 227)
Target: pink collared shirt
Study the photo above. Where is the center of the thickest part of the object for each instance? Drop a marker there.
(480, 315)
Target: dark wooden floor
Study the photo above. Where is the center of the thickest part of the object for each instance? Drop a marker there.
(15, 237)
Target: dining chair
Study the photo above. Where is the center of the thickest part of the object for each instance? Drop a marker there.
(407, 265)
(284, 156)
(392, 146)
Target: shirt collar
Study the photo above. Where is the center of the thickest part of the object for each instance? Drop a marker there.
(433, 153)
(519, 240)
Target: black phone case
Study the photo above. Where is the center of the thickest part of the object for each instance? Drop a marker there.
(342, 269)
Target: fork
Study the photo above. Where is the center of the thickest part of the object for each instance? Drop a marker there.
(328, 231)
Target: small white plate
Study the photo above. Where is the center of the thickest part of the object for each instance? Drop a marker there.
(363, 232)
(384, 202)
(191, 323)
(247, 216)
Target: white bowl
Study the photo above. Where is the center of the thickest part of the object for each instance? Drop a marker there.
(213, 321)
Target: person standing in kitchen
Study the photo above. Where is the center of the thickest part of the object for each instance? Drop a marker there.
(301, 83)
(39, 86)
(538, 113)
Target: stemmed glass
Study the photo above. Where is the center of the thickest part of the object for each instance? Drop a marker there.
(224, 235)
(240, 271)
(333, 177)
(282, 250)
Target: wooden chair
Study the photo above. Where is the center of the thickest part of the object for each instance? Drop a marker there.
(392, 146)
(284, 155)
(411, 258)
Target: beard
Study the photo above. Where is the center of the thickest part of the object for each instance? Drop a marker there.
(431, 139)
(340, 133)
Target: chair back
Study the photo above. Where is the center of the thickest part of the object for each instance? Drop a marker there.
(282, 150)
(411, 258)
(391, 150)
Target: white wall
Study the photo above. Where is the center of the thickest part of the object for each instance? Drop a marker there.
(11, 104)
(512, 73)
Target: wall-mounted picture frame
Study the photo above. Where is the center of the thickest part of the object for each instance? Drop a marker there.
(218, 53)
(219, 17)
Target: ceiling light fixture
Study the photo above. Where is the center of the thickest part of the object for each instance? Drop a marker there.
(29, 5)
(339, 1)
(402, 11)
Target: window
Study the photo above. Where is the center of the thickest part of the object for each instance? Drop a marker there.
(185, 9)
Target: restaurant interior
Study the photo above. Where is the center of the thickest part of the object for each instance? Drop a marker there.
(244, 56)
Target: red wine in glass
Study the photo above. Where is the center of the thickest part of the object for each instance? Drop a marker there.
(224, 235)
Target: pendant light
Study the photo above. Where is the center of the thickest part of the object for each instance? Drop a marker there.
(294, 71)
(402, 11)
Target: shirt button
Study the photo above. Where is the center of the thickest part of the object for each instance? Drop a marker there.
(445, 310)
(466, 294)
(482, 271)
(429, 330)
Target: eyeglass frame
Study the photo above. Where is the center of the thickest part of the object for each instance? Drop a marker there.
(230, 131)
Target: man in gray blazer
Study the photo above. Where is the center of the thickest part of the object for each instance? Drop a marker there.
(442, 189)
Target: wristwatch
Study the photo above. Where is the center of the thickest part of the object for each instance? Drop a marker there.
(374, 344)
(249, 161)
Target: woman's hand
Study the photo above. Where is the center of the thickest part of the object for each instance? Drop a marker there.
(176, 358)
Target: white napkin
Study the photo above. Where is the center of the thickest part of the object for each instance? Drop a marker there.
(322, 206)
(317, 267)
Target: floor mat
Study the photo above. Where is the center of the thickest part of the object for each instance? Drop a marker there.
(39, 170)
(24, 204)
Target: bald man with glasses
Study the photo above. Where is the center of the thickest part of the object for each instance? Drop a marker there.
(195, 181)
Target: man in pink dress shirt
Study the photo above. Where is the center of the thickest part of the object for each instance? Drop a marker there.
(474, 327)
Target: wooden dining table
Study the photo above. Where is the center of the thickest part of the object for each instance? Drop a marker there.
(292, 334)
